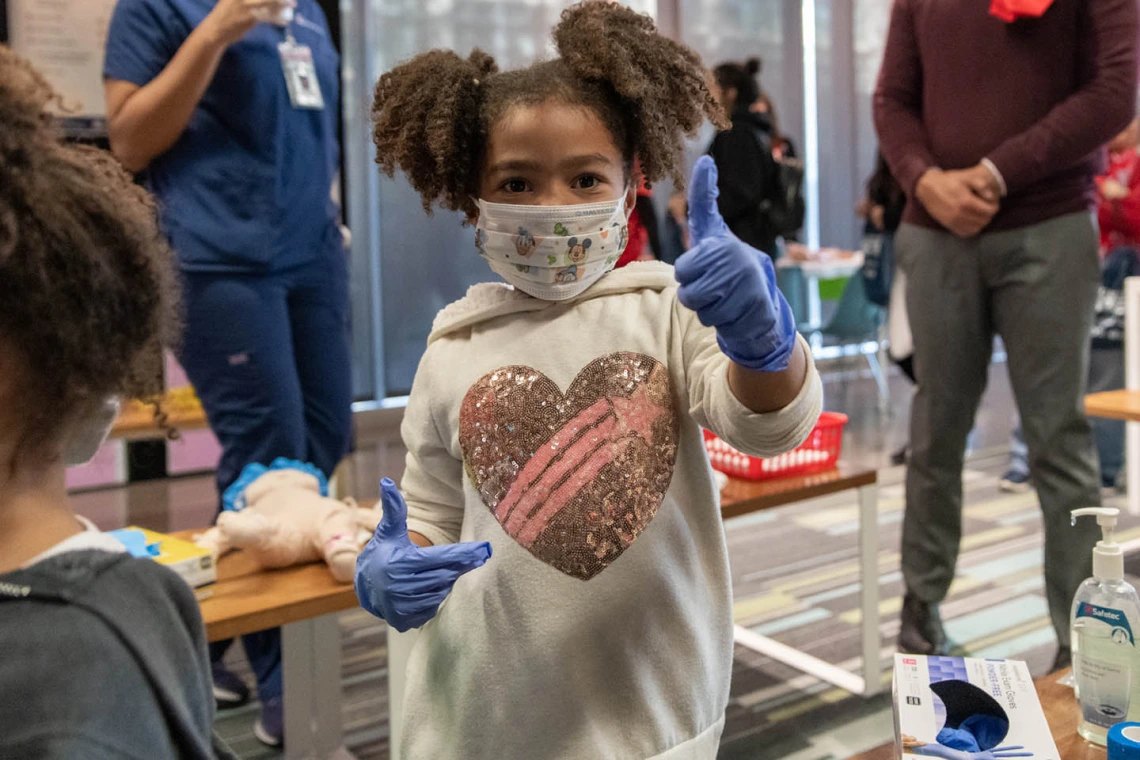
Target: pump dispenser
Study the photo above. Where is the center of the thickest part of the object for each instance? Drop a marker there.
(1108, 557)
(1105, 621)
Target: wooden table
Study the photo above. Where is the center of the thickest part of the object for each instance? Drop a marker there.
(1123, 405)
(248, 598)
(742, 497)
(137, 423)
(1114, 405)
(303, 601)
(1060, 710)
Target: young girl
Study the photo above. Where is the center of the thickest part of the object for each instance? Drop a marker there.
(104, 655)
(556, 424)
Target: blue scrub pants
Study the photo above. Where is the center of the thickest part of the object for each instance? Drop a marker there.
(269, 356)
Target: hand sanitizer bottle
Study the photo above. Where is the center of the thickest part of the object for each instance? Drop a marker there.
(1105, 622)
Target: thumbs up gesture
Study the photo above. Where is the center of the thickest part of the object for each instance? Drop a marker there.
(732, 286)
(405, 584)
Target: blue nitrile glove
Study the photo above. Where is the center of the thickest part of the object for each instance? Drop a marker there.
(975, 734)
(945, 753)
(134, 541)
(732, 286)
(402, 583)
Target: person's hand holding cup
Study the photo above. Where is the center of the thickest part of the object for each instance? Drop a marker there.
(279, 14)
(231, 20)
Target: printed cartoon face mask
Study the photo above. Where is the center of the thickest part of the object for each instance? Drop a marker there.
(552, 252)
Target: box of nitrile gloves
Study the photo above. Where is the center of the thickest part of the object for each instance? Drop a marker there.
(954, 707)
(193, 563)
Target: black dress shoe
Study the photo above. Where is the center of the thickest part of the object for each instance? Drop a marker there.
(922, 631)
(1063, 660)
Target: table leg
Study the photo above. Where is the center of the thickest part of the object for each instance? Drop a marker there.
(815, 311)
(869, 581)
(1132, 383)
(312, 681)
(884, 358)
(871, 682)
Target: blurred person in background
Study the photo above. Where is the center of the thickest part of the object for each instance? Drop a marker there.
(782, 145)
(1118, 193)
(749, 175)
(992, 128)
(881, 211)
(229, 110)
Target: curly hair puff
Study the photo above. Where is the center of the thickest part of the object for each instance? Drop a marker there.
(87, 294)
(432, 114)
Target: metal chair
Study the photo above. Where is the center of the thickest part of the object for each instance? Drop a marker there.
(793, 284)
(855, 323)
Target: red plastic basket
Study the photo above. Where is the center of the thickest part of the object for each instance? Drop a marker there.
(818, 453)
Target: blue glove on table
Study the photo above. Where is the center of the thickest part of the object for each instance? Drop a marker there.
(945, 753)
(732, 286)
(404, 584)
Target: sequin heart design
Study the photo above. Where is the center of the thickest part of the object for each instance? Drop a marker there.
(574, 478)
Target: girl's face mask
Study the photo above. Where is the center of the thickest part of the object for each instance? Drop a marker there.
(552, 252)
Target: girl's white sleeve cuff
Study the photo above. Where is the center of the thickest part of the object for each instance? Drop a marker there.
(773, 433)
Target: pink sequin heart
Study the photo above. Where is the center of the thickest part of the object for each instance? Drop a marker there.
(574, 478)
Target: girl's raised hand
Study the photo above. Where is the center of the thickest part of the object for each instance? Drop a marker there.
(731, 285)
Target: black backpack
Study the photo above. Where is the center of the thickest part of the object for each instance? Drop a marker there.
(878, 265)
(788, 215)
(784, 208)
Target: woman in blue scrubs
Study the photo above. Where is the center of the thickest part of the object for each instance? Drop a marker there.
(233, 123)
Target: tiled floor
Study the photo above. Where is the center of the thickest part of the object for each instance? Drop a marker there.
(871, 435)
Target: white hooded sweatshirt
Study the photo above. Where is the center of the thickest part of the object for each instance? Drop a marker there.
(568, 435)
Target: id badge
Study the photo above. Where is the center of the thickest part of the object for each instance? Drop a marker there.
(301, 76)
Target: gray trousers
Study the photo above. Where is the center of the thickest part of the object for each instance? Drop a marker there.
(1106, 373)
(1035, 287)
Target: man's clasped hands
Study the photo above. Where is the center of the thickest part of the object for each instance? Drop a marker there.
(964, 201)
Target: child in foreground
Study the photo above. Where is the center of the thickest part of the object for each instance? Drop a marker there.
(104, 655)
(555, 423)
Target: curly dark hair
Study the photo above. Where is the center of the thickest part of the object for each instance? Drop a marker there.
(87, 291)
(433, 113)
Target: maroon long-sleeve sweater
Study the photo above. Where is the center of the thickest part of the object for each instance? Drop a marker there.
(1038, 97)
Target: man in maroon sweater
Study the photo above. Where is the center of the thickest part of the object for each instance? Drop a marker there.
(994, 130)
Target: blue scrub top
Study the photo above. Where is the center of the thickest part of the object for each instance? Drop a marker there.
(246, 186)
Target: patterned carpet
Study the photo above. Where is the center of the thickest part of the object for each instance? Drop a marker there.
(795, 579)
